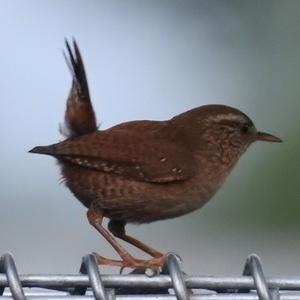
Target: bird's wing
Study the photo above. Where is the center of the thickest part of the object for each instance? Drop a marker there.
(79, 115)
(124, 154)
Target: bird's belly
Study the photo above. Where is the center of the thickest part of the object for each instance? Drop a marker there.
(159, 203)
(177, 199)
(134, 201)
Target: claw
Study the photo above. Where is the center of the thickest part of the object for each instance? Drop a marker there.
(107, 261)
(131, 262)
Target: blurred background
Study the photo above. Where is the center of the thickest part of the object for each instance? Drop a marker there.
(152, 60)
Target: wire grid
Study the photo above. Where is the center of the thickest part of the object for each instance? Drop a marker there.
(172, 283)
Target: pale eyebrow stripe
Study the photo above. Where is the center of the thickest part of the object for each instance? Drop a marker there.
(228, 117)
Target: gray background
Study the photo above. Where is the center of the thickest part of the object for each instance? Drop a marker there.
(152, 60)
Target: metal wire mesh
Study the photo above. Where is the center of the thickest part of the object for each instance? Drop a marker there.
(171, 284)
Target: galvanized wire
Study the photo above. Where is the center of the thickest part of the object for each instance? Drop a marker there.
(171, 284)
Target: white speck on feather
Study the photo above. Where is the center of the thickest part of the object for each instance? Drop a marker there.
(78, 161)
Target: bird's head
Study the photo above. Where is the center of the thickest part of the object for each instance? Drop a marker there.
(231, 123)
(222, 126)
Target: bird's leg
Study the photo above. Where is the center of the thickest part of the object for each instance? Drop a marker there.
(117, 228)
(95, 217)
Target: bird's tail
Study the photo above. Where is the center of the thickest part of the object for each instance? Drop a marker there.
(79, 115)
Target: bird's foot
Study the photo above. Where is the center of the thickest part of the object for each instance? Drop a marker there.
(132, 262)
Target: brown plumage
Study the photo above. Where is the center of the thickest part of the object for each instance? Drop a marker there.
(79, 116)
(143, 171)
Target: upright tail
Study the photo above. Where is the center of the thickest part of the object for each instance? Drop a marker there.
(79, 115)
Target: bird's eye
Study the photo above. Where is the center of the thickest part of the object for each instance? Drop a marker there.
(245, 128)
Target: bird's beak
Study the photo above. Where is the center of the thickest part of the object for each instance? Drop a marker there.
(263, 136)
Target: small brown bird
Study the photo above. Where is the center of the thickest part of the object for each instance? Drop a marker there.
(143, 171)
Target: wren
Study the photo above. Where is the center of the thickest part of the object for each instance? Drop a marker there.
(144, 171)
